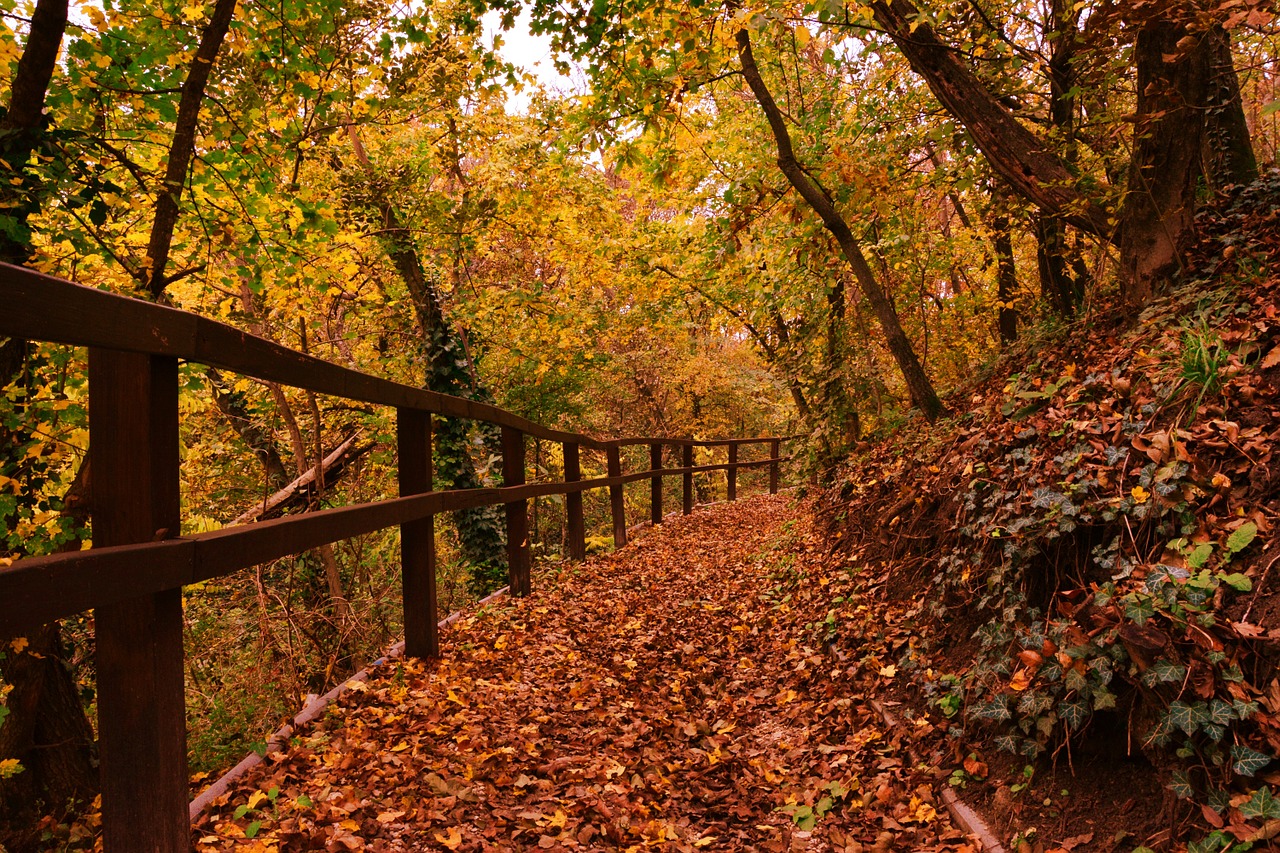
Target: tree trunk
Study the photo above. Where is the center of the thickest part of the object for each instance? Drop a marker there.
(843, 410)
(45, 729)
(183, 146)
(1159, 206)
(918, 384)
(49, 734)
(1062, 279)
(259, 439)
(1225, 149)
(20, 129)
(1006, 280)
(481, 531)
(1014, 152)
(1061, 284)
(23, 124)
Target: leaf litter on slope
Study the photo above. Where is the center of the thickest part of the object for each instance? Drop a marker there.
(676, 695)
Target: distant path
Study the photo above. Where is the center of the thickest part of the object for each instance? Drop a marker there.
(650, 698)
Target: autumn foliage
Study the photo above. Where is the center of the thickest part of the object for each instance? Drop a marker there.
(1084, 556)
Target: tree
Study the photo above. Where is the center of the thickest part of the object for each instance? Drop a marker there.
(1173, 55)
(46, 729)
(918, 384)
(43, 727)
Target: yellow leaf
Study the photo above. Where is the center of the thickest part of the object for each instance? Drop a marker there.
(350, 825)
(18, 643)
(387, 817)
(922, 812)
(9, 767)
(889, 671)
(255, 798)
(452, 840)
(1021, 680)
(1140, 494)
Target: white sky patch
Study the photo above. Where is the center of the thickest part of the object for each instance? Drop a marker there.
(533, 55)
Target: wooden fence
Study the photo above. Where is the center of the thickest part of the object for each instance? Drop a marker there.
(133, 576)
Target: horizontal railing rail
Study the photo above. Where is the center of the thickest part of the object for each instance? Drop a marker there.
(133, 576)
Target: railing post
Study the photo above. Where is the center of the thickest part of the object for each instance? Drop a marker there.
(617, 499)
(775, 450)
(655, 484)
(417, 538)
(142, 733)
(576, 532)
(686, 461)
(732, 484)
(517, 513)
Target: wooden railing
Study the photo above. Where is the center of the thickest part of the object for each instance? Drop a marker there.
(133, 576)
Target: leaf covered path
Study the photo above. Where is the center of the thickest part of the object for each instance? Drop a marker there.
(674, 695)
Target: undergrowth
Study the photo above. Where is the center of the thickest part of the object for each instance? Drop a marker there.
(1089, 544)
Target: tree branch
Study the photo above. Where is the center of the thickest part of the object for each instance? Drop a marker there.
(184, 145)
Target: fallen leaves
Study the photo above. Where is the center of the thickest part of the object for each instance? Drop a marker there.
(672, 695)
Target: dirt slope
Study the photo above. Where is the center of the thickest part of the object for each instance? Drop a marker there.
(1078, 565)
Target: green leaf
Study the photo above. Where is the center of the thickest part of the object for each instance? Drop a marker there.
(1217, 799)
(1074, 712)
(1139, 608)
(1180, 784)
(1247, 761)
(1271, 108)
(1007, 743)
(1211, 843)
(1243, 535)
(1185, 716)
(240, 812)
(252, 829)
(1244, 710)
(1238, 582)
(304, 802)
(803, 818)
(997, 709)
(1262, 805)
(1198, 557)
(1163, 672)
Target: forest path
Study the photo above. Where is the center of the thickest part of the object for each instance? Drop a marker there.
(674, 694)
